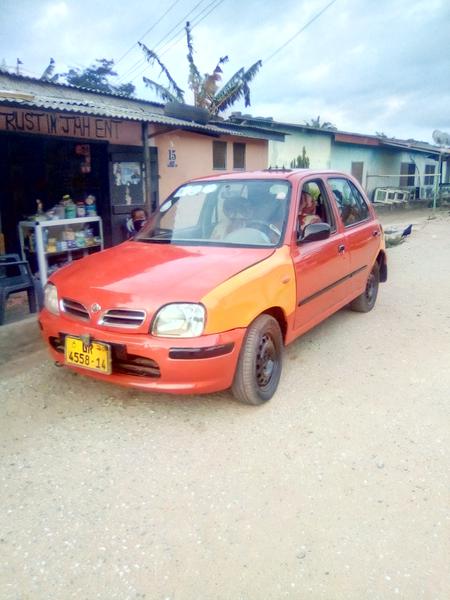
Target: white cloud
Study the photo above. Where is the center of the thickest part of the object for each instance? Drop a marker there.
(52, 15)
(319, 72)
(363, 65)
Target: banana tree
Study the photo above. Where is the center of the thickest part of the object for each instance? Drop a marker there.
(206, 89)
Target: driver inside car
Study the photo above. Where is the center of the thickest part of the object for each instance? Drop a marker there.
(237, 212)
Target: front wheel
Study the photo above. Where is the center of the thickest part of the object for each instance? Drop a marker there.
(366, 301)
(260, 361)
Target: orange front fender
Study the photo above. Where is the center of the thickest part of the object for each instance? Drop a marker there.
(239, 300)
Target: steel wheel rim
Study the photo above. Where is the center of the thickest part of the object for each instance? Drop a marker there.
(370, 288)
(266, 361)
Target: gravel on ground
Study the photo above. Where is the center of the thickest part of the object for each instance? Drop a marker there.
(337, 489)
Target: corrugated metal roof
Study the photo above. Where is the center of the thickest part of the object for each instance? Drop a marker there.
(254, 131)
(414, 145)
(268, 122)
(25, 92)
(39, 87)
(30, 81)
(89, 108)
(78, 106)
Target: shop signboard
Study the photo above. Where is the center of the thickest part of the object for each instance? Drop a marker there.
(34, 121)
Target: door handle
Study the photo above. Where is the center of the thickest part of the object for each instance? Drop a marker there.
(341, 248)
(375, 233)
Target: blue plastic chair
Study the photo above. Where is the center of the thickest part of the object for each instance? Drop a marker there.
(15, 276)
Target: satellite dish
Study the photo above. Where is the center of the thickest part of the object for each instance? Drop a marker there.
(441, 138)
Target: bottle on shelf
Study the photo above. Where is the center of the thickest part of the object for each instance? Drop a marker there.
(91, 208)
(80, 240)
(89, 236)
(39, 207)
(70, 208)
(81, 209)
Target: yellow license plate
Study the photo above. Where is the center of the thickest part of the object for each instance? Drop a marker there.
(95, 356)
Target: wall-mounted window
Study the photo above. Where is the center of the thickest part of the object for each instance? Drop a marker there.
(429, 170)
(219, 155)
(407, 172)
(238, 156)
(357, 170)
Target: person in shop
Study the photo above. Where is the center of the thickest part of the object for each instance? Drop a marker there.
(136, 221)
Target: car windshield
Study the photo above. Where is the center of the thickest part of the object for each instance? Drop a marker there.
(225, 213)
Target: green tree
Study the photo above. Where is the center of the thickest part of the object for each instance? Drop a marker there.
(207, 92)
(97, 76)
(321, 125)
(301, 162)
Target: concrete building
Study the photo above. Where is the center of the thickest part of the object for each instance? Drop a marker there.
(377, 162)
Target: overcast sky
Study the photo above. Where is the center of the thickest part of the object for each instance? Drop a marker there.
(365, 65)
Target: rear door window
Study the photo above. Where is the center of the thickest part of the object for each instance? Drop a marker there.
(350, 202)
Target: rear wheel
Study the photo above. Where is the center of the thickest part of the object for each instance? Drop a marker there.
(260, 361)
(366, 301)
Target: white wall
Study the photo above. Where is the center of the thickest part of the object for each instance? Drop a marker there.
(317, 145)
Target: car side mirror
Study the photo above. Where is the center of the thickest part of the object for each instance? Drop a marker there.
(314, 232)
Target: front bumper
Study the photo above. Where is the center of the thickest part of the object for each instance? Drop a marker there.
(183, 366)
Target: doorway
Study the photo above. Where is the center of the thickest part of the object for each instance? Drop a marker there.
(39, 168)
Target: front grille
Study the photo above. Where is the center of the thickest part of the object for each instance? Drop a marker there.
(122, 317)
(76, 309)
(136, 365)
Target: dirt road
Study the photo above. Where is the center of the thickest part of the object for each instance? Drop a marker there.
(336, 489)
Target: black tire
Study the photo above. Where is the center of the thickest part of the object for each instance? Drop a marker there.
(260, 361)
(366, 301)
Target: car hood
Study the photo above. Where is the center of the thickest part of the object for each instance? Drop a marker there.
(140, 275)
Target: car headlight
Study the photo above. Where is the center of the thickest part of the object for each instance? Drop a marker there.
(51, 298)
(179, 320)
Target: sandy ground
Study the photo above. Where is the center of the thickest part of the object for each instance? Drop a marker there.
(339, 488)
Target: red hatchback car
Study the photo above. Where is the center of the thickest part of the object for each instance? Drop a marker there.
(228, 271)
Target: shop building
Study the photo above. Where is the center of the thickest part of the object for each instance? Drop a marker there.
(58, 140)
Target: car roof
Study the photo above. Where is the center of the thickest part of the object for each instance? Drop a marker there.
(271, 173)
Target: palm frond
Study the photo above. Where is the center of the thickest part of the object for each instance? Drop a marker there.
(160, 90)
(229, 85)
(222, 61)
(252, 71)
(190, 56)
(234, 94)
(246, 91)
(236, 88)
(152, 57)
(194, 79)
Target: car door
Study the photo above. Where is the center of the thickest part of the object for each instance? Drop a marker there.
(322, 266)
(362, 231)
